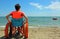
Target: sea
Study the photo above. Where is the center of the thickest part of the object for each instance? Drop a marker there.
(37, 21)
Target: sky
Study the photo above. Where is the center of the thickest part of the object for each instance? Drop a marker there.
(31, 7)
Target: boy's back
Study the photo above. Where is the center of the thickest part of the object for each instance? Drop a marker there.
(17, 14)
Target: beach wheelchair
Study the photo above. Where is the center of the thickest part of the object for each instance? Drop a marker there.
(23, 30)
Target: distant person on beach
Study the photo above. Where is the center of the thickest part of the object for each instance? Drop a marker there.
(17, 19)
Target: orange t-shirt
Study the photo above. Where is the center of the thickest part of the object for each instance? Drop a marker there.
(16, 14)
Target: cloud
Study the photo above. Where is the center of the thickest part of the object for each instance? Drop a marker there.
(54, 5)
(37, 5)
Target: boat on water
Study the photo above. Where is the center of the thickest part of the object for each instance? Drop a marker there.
(55, 18)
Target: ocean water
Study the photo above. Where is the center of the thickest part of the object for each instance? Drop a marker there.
(36, 21)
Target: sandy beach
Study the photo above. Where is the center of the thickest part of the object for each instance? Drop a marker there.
(41, 33)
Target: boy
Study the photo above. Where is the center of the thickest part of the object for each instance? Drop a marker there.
(17, 19)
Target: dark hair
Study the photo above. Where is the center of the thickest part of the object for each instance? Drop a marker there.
(17, 7)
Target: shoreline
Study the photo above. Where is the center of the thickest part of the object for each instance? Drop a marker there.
(37, 26)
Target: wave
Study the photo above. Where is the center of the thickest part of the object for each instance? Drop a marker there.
(2, 26)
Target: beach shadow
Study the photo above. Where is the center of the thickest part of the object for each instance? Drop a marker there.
(17, 36)
(2, 37)
(12, 37)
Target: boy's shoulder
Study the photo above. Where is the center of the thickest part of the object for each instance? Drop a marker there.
(21, 11)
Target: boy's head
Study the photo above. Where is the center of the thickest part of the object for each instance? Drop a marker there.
(17, 7)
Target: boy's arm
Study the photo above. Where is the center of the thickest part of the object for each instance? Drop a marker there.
(7, 17)
(26, 19)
